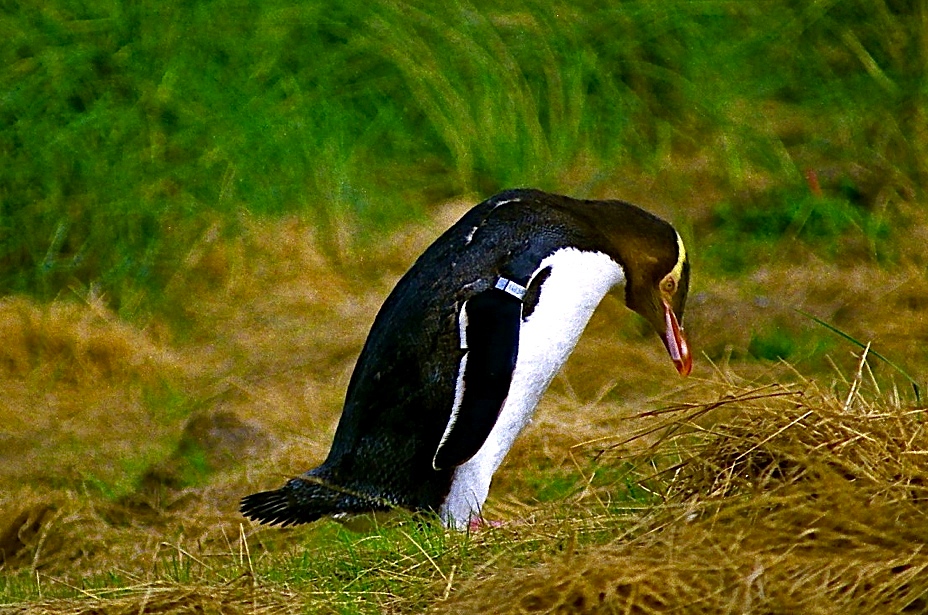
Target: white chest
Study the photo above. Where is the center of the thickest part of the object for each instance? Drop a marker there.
(577, 282)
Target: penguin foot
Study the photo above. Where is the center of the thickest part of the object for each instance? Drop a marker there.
(479, 523)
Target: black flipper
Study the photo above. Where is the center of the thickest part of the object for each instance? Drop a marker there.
(490, 330)
(303, 500)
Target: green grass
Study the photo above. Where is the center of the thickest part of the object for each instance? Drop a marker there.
(625, 483)
(127, 130)
(834, 227)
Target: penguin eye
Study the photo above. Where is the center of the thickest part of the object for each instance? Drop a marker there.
(669, 285)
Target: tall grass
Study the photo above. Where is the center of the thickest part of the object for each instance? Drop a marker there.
(127, 130)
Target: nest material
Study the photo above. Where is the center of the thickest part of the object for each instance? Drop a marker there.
(796, 502)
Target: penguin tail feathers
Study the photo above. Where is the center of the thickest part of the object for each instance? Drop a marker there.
(301, 500)
(276, 508)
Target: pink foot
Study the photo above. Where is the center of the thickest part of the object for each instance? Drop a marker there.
(478, 523)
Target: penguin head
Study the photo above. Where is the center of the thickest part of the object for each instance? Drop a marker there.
(658, 279)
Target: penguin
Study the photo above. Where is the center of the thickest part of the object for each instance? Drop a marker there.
(467, 342)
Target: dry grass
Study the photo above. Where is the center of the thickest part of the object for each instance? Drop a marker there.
(772, 500)
(721, 493)
(238, 596)
(66, 370)
(798, 501)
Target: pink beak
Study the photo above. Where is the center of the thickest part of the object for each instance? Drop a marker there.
(676, 344)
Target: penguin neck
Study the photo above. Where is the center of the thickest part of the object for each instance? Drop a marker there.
(574, 284)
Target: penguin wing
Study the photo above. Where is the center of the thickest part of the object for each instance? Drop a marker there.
(489, 323)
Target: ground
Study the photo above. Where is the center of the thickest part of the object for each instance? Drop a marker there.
(126, 449)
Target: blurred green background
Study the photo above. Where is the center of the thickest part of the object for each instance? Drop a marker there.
(127, 130)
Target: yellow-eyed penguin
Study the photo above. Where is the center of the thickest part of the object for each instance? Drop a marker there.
(466, 344)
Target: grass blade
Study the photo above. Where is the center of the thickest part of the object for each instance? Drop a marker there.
(861, 345)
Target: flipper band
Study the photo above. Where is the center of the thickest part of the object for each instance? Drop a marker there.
(513, 288)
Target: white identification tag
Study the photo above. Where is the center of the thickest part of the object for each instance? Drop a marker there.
(508, 286)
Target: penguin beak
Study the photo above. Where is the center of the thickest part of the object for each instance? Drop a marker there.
(676, 343)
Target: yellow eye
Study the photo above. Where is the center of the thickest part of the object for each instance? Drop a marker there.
(669, 285)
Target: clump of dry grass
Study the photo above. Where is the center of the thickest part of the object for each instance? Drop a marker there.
(805, 556)
(794, 500)
(803, 437)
